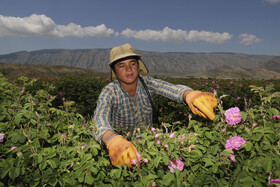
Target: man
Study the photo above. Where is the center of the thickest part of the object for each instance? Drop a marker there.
(127, 101)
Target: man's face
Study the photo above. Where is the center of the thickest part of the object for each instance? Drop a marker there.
(127, 71)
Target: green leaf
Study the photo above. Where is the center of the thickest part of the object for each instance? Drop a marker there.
(247, 179)
(251, 114)
(208, 135)
(257, 184)
(153, 152)
(88, 165)
(81, 177)
(156, 161)
(52, 163)
(226, 152)
(248, 145)
(256, 137)
(42, 166)
(243, 115)
(33, 122)
(150, 144)
(53, 181)
(208, 162)
(14, 172)
(195, 167)
(89, 179)
(39, 159)
(3, 172)
(165, 158)
(192, 122)
(115, 173)
(21, 138)
(152, 176)
(267, 164)
(94, 151)
(258, 129)
(14, 138)
(196, 153)
(274, 111)
(268, 130)
(167, 179)
(94, 170)
(248, 131)
(214, 149)
(215, 168)
(88, 156)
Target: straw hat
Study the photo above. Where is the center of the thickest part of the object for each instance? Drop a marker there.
(124, 51)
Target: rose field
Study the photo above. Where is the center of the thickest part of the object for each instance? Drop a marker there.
(47, 136)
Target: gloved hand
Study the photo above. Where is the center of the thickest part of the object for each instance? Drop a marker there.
(121, 151)
(202, 103)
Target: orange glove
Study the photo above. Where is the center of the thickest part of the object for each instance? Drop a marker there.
(202, 103)
(121, 151)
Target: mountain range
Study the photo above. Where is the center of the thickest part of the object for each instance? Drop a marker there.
(162, 64)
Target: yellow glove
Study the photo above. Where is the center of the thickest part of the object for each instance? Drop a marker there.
(121, 151)
(202, 103)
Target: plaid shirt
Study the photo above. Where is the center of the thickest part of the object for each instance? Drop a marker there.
(115, 107)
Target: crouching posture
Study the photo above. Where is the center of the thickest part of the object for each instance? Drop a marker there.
(127, 101)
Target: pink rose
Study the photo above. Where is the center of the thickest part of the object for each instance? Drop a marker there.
(84, 146)
(232, 157)
(133, 162)
(176, 164)
(274, 181)
(138, 156)
(233, 116)
(2, 137)
(235, 142)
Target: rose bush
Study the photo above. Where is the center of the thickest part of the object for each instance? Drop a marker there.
(46, 145)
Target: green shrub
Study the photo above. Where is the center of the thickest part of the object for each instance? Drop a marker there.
(80, 88)
(48, 145)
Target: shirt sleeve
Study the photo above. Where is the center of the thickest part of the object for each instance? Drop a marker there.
(171, 91)
(102, 113)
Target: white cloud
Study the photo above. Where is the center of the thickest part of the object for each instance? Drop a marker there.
(248, 39)
(273, 1)
(100, 30)
(41, 25)
(166, 34)
(211, 37)
(177, 36)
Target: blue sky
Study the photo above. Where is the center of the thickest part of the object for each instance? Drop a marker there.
(235, 26)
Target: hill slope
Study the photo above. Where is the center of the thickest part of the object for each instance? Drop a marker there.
(166, 64)
(43, 71)
(273, 64)
(226, 72)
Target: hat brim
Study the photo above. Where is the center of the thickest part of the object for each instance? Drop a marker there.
(123, 56)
